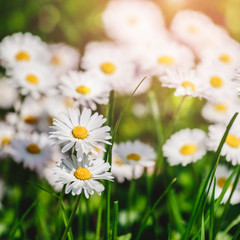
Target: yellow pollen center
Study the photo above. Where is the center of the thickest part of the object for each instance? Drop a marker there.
(80, 132)
(222, 181)
(187, 84)
(22, 56)
(133, 156)
(233, 141)
(56, 60)
(216, 81)
(68, 102)
(221, 107)
(30, 119)
(108, 67)
(192, 29)
(32, 79)
(166, 60)
(132, 21)
(188, 149)
(118, 161)
(83, 89)
(6, 140)
(82, 174)
(225, 58)
(33, 148)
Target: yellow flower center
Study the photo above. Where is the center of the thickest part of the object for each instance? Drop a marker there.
(133, 156)
(69, 102)
(6, 140)
(80, 132)
(224, 58)
(188, 149)
(220, 107)
(192, 29)
(233, 141)
(22, 56)
(30, 119)
(222, 181)
(82, 174)
(32, 79)
(187, 84)
(33, 148)
(83, 89)
(119, 161)
(216, 81)
(166, 60)
(108, 67)
(56, 60)
(132, 21)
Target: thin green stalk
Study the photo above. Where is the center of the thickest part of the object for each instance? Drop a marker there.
(115, 220)
(87, 217)
(81, 231)
(212, 207)
(150, 211)
(231, 225)
(236, 235)
(201, 196)
(108, 206)
(202, 228)
(42, 222)
(71, 216)
(99, 219)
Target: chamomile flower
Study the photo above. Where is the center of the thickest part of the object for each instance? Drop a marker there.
(80, 130)
(220, 111)
(122, 170)
(85, 88)
(185, 146)
(8, 94)
(236, 78)
(185, 81)
(222, 174)
(135, 153)
(33, 79)
(34, 150)
(23, 47)
(82, 175)
(63, 58)
(110, 63)
(130, 21)
(231, 147)
(7, 133)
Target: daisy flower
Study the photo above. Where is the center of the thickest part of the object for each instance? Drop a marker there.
(8, 94)
(231, 147)
(129, 21)
(33, 79)
(7, 133)
(220, 111)
(82, 175)
(217, 80)
(122, 170)
(80, 130)
(222, 174)
(185, 81)
(135, 153)
(63, 58)
(23, 47)
(185, 146)
(33, 150)
(236, 78)
(167, 55)
(196, 29)
(110, 62)
(86, 90)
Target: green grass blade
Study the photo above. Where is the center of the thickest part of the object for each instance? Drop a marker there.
(99, 219)
(205, 186)
(150, 211)
(236, 235)
(211, 223)
(202, 228)
(115, 221)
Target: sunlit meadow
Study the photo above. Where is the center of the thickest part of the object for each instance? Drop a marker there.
(119, 120)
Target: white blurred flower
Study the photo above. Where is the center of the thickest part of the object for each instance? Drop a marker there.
(23, 47)
(33, 150)
(7, 134)
(80, 130)
(82, 175)
(185, 146)
(131, 21)
(63, 58)
(8, 94)
(85, 88)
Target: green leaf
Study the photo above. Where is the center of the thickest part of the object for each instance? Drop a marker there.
(211, 224)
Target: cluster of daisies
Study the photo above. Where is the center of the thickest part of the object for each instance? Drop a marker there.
(50, 84)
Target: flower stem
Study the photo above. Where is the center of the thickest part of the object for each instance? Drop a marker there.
(71, 217)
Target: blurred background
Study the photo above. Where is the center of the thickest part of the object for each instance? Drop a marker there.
(75, 22)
